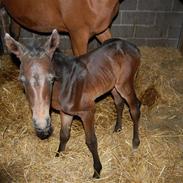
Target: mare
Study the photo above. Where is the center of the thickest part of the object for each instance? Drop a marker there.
(82, 19)
(71, 85)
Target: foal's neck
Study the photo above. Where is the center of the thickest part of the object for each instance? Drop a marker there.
(65, 65)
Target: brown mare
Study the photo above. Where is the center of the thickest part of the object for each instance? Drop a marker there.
(82, 19)
(75, 82)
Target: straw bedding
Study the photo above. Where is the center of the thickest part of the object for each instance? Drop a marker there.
(159, 158)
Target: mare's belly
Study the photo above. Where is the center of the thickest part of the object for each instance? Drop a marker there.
(40, 16)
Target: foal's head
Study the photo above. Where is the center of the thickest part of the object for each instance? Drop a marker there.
(36, 75)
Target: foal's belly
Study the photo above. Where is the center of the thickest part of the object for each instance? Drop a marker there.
(101, 88)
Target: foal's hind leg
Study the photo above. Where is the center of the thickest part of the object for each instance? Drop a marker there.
(66, 121)
(128, 93)
(119, 104)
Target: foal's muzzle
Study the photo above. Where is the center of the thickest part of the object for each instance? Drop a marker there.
(43, 133)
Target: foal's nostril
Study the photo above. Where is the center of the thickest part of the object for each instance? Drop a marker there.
(48, 122)
(43, 133)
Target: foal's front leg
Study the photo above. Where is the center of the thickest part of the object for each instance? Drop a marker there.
(91, 141)
(66, 121)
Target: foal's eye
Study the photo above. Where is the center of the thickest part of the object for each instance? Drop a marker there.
(50, 78)
(22, 79)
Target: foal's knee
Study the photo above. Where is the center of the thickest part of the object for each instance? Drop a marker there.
(92, 142)
(64, 135)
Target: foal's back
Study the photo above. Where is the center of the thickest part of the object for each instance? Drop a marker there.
(114, 61)
(89, 76)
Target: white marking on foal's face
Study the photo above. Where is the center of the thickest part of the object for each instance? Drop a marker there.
(37, 82)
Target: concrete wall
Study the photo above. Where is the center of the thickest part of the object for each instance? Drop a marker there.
(150, 22)
(144, 22)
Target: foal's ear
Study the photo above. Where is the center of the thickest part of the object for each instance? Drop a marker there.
(52, 43)
(13, 46)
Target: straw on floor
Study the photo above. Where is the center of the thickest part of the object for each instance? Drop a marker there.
(159, 159)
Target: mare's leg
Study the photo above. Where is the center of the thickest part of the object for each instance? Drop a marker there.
(1, 48)
(4, 29)
(104, 36)
(119, 104)
(66, 121)
(128, 93)
(15, 30)
(4, 21)
(91, 140)
(79, 41)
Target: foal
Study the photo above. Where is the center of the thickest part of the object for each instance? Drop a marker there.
(78, 82)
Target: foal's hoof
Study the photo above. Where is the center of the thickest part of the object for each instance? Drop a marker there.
(97, 170)
(96, 175)
(136, 143)
(57, 154)
(117, 129)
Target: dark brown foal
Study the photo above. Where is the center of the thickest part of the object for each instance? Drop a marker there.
(79, 81)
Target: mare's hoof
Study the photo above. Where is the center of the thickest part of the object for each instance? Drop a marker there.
(136, 143)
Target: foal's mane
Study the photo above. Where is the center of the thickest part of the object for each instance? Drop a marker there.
(64, 65)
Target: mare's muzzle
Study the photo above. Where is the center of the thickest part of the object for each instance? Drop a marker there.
(41, 132)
